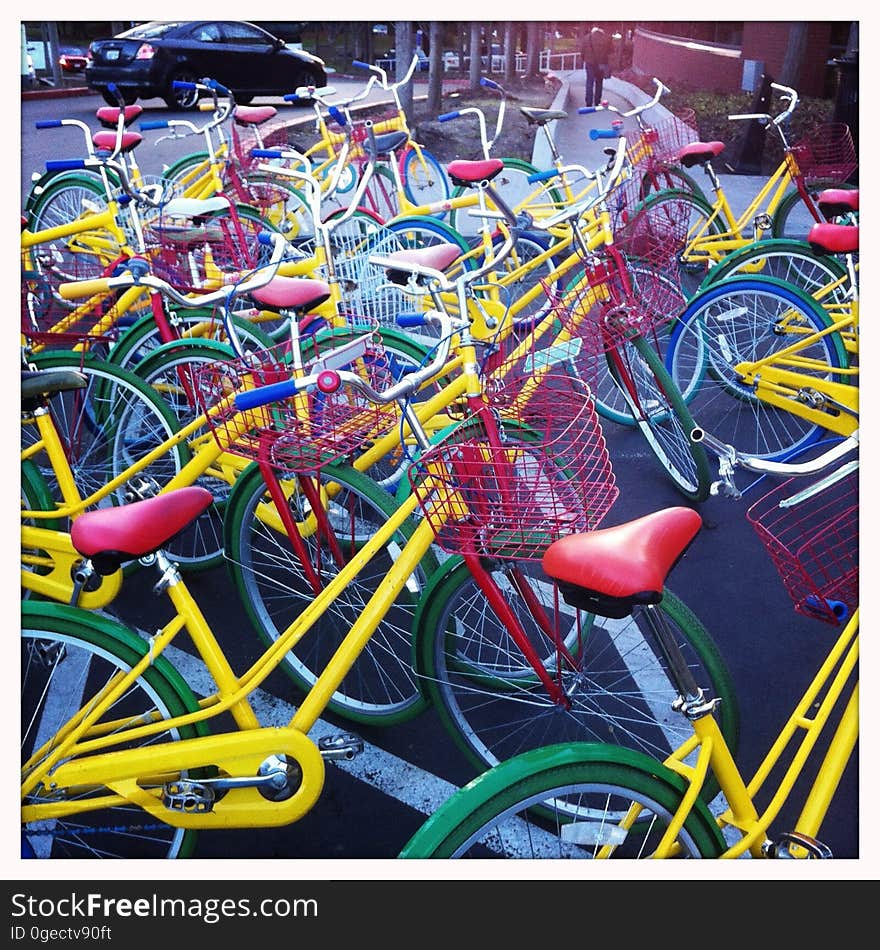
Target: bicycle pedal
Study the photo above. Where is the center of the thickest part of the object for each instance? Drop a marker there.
(346, 745)
(190, 797)
(789, 842)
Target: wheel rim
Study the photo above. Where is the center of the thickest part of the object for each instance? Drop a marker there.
(185, 98)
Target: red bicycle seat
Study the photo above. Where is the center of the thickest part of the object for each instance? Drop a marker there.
(697, 153)
(834, 238)
(108, 116)
(292, 293)
(469, 173)
(253, 115)
(107, 140)
(110, 536)
(626, 560)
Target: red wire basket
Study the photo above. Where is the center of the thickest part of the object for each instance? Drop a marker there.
(305, 432)
(191, 253)
(598, 313)
(549, 476)
(814, 545)
(49, 320)
(664, 138)
(827, 153)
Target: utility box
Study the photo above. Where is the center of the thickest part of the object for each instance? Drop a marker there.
(753, 71)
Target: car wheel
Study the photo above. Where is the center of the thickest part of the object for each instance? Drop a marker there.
(184, 99)
(309, 78)
(129, 97)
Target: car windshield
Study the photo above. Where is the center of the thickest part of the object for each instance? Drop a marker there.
(148, 31)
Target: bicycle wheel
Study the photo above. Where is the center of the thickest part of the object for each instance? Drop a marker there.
(380, 688)
(174, 371)
(81, 256)
(587, 297)
(794, 262)
(513, 186)
(142, 338)
(108, 427)
(424, 180)
(672, 219)
(491, 700)
(520, 275)
(794, 217)
(67, 656)
(742, 320)
(282, 205)
(380, 195)
(566, 801)
(658, 409)
(66, 198)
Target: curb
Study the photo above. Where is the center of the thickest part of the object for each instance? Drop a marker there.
(55, 93)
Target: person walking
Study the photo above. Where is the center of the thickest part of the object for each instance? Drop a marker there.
(596, 55)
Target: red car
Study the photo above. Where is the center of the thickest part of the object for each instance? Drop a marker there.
(72, 59)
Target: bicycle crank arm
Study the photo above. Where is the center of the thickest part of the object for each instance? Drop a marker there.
(194, 802)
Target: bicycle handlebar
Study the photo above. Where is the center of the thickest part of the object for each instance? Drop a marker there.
(729, 458)
(330, 380)
(485, 141)
(604, 177)
(661, 90)
(786, 93)
(139, 275)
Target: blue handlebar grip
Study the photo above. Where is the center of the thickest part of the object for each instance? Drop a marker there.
(447, 116)
(266, 237)
(274, 392)
(266, 153)
(489, 82)
(337, 115)
(112, 87)
(542, 176)
(820, 604)
(360, 64)
(148, 124)
(48, 124)
(180, 84)
(410, 319)
(604, 134)
(65, 164)
(292, 97)
(218, 86)
(587, 110)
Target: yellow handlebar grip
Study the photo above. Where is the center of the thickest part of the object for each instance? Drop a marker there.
(84, 288)
(206, 107)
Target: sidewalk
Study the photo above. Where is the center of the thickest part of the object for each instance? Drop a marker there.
(572, 134)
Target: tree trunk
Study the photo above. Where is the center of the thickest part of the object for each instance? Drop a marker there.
(533, 49)
(474, 49)
(435, 68)
(795, 51)
(404, 48)
(509, 51)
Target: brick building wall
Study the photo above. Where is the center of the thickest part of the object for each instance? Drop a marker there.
(717, 67)
(766, 42)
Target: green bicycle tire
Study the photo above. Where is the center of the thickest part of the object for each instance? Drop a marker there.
(99, 638)
(505, 810)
